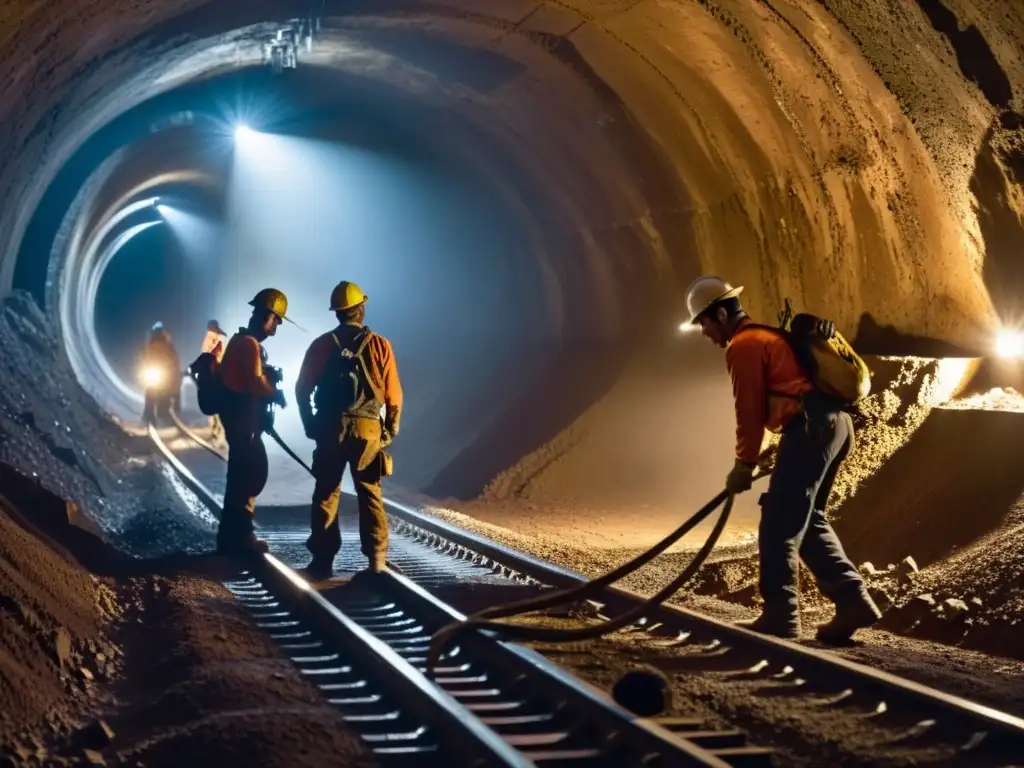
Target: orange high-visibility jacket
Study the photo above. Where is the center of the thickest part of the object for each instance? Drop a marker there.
(760, 360)
(241, 369)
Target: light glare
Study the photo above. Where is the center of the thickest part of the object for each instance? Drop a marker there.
(243, 133)
(152, 376)
(687, 327)
(1009, 343)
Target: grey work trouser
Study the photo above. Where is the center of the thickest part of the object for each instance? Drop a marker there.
(793, 521)
(358, 447)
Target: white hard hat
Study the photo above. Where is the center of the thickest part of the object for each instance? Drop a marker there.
(705, 291)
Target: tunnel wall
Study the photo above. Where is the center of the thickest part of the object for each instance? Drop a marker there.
(803, 174)
(852, 156)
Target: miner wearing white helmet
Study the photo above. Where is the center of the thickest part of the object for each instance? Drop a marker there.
(772, 391)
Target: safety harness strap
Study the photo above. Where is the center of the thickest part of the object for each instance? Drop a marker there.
(367, 335)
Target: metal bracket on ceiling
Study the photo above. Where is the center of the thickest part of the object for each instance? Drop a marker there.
(281, 50)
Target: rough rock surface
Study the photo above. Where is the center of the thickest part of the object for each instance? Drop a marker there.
(152, 663)
(53, 432)
(930, 499)
(863, 158)
(52, 613)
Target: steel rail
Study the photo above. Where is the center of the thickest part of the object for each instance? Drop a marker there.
(560, 720)
(645, 737)
(464, 735)
(985, 723)
(1006, 729)
(194, 437)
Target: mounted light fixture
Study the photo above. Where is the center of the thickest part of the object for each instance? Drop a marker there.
(1009, 343)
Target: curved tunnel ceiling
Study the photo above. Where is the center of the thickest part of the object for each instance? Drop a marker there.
(634, 143)
(572, 87)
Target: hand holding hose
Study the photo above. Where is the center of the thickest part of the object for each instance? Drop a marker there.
(741, 478)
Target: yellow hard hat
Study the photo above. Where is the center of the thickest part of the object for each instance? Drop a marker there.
(273, 300)
(346, 295)
(706, 291)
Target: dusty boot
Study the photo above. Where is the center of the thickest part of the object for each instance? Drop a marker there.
(780, 621)
(852, 613)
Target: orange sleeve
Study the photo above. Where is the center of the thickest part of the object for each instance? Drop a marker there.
(250, 367)
(313, 365)
(392, 384)
(745, 361)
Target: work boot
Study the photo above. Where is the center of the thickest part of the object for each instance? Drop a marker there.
(777, 622)
(319, 569)
(245, 546)
(852, 613)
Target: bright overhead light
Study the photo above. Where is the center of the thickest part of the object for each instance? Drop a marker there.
(243, 132)
(1009, 343)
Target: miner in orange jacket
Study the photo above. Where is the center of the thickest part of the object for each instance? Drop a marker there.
(352, 377)
(252, 387)
(772, 391)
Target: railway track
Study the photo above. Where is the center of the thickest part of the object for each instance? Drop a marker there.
(979, 735)
(364, 641)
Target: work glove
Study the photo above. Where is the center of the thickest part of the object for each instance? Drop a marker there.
(826, 329)
(278, 399)
(741, 478)
(274, 374)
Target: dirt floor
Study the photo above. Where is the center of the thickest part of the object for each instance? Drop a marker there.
(809, 725)
(141, 662)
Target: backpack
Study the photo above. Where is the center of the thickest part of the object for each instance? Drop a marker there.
(210, 389)
(346, 384)
(831, 364)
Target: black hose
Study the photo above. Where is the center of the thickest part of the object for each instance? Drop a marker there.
(580, 592)
(483, 620)
(444, 636)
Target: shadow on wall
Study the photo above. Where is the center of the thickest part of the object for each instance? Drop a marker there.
(973, 53)
(884, 340)
(1002, 226)
(952, 483)
(554, 393)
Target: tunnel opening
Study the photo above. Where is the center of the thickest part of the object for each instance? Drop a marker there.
(512, 329)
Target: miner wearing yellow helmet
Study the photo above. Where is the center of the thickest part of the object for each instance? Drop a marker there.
(351, 376)
(251, 385)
